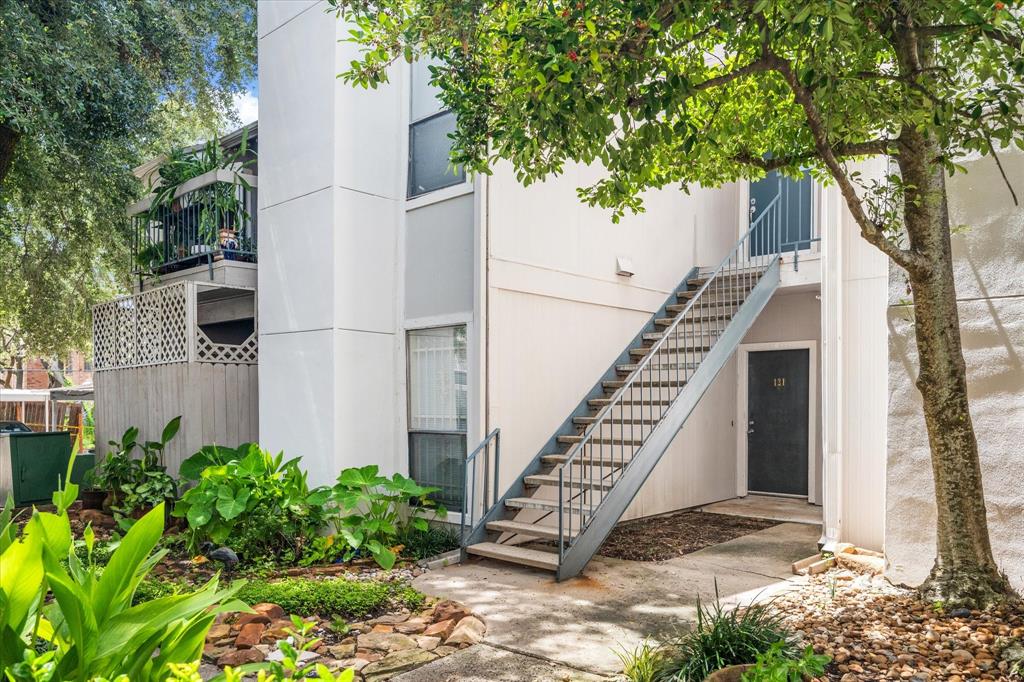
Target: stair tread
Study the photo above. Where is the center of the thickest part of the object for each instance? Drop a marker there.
(559, 460)
(522, 528)
(552, 479)
(516, 555)
(678, 307)
(601, 402)
(583, 421)
(595, 439)
(538, 503)
(671, 349)
(666, 321)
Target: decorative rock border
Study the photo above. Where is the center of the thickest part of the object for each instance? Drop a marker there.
(377, 649)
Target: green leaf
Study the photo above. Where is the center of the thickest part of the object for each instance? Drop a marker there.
(385, 558)
(230, 505)
(198, 515)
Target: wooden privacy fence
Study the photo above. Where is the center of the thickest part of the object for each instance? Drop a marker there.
(65, 417)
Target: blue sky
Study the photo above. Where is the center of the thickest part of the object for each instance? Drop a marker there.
(246, 103)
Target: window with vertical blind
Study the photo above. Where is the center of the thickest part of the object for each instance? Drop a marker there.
(438, 411)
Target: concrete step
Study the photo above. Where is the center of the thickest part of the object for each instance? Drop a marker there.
(516, 555)
(533, 530)
(574, 481)
(546, 505)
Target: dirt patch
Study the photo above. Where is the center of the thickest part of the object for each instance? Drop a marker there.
(673, 535)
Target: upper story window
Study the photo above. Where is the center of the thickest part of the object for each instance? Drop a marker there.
(429, 141)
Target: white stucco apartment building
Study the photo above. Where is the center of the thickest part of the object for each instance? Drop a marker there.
(405, 312)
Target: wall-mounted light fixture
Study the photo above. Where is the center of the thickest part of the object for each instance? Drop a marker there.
(624, 266)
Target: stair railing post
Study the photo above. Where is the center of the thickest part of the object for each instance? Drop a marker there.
(561, 515)
(497, 462)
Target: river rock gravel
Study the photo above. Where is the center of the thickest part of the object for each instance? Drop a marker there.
(874, 630)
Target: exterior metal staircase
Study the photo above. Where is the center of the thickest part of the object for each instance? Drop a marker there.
(558, 512)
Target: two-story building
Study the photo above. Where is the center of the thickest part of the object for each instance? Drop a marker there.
(730, 342)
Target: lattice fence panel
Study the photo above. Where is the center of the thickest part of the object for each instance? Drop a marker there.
(149, 328)
(245, 353)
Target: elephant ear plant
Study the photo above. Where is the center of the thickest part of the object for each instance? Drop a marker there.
(380, 512)
(255, 501)
(90, 629)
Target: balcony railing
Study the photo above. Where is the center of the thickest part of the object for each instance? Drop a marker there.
(212, 217)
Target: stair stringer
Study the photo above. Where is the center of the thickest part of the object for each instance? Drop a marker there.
(615, 502)
(567, 428)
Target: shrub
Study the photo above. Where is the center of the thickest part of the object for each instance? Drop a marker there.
(262, 503)
(380, 512)
(724, 637)
(424, 544)
(136, 484)
(91, 629)
(776, 666)
(332, 596)
(645, 663)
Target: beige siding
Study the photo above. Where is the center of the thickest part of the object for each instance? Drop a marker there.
(217, 403)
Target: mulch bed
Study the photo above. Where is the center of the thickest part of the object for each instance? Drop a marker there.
(876, 631)
(676, 534)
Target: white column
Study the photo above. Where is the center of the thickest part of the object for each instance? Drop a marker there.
(831, 364)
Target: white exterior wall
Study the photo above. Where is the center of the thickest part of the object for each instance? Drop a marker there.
(853, 371)
(558, 315)
(348, 265)
(329, 219)
(989, 271)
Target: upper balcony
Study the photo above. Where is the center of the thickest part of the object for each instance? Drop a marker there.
(201, 214)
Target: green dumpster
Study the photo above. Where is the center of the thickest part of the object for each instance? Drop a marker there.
(32, 465)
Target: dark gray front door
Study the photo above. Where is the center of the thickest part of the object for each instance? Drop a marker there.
(777, 404)
(794, 224)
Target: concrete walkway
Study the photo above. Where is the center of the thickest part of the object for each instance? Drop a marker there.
(615, 603)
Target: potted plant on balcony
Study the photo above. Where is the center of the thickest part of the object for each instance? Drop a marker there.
(207, 218)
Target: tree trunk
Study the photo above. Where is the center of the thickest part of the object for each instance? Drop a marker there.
(965, 572)
(8, 141)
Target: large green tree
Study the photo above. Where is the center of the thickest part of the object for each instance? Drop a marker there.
(678, 92)
(89, 89)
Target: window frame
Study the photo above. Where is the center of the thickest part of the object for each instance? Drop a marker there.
(457, 179)
(411, 432)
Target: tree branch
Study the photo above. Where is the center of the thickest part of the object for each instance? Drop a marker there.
(869, 230)
(987, 29)
(842, 151)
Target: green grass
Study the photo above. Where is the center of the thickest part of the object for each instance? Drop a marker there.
(332, 597)
(305, 597)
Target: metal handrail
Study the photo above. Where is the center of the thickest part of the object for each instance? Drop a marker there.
(759, 248)
(469, 483)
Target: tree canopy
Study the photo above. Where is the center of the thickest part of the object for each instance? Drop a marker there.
(676, 92)
(88, 91)
(666, 92)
